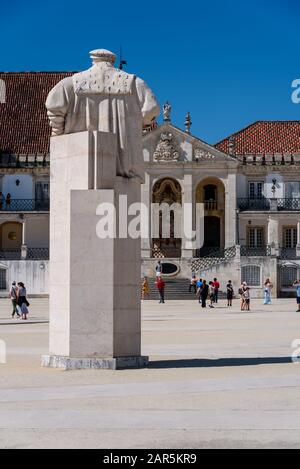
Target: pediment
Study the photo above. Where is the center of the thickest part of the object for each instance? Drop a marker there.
(168, 144)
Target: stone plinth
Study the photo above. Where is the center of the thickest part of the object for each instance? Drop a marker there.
(95, 311)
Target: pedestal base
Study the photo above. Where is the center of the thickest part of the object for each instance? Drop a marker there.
(107, 363)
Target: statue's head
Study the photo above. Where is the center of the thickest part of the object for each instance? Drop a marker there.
(102, 55)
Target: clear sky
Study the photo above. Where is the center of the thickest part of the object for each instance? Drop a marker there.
(228, 62)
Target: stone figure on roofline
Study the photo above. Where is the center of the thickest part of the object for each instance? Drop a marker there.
(106, 99)
(167, 112)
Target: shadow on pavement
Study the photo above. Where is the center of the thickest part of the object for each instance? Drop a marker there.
(221, 362)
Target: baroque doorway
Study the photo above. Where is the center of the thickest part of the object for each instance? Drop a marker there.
(166, 191)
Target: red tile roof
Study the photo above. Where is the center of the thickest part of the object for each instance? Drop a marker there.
(265, 137)
(24, 126)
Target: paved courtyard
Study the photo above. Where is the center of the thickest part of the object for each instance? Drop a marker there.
(217, 378)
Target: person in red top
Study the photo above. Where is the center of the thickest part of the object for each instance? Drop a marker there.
(216, 286)
(160, 285)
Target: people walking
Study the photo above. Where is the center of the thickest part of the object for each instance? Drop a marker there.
(145, 289)
(22, 300)
(204, 294)
(193, 284)
(13, 293)
(246, 296)
(297, 285)
(199, 285)
(160, 285)
(211, 293)
(230, 293)
(216, 286)
(241, 293)
(267, 291)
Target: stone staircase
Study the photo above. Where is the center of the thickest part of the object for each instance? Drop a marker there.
(176, 289)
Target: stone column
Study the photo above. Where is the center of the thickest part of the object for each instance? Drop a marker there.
(24, 245)
(95, 308)
(273, 235)
(230, 211)
(273, 204)
(146, 198)
(298, 240)
(187, 214)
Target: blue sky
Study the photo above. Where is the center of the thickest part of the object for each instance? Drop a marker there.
(228, 62)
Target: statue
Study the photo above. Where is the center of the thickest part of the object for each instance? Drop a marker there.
(97, 118)
(106, 99)
(188, 123)
(167, 112)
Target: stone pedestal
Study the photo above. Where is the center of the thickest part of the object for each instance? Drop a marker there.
(95, 311)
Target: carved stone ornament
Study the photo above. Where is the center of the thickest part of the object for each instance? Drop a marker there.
(200, 154)
(167, 148)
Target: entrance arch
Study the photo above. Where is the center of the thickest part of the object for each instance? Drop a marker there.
(211, 192)
(166, 191)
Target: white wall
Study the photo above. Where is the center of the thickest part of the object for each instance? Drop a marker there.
(37, 232)
(279, 186)
(30, 273)
(25, 190)
(241, 186)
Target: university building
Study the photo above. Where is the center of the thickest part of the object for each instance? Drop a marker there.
(249, 184)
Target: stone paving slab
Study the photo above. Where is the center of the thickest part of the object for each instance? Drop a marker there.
(217, 378)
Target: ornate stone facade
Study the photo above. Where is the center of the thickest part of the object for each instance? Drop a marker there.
(167, 148)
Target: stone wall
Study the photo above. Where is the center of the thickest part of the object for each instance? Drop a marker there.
(34, 274)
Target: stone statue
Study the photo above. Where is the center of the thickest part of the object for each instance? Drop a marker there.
(106, 99)
(167, 112)
(188, 123)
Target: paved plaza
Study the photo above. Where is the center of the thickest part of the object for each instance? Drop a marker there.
(217, 378)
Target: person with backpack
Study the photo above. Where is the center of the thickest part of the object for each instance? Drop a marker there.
(13, 293)
(242, 290)
(204, 294)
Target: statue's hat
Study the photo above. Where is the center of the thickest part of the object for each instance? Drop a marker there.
(102, 55)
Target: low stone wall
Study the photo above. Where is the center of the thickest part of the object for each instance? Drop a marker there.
(227, 270)
(34, 274)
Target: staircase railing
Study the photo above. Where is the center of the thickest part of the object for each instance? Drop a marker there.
(211, 257)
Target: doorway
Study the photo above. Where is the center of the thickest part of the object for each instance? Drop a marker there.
(212, 235)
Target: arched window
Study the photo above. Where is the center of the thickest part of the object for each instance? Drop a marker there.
(251, 275)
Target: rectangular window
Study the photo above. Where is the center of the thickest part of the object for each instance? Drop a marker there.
(256, 237)
(42, 190)
(288, 276)
(251, 275)
(290, 237)
(256, 189)
(2, 279)
(292, 190)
